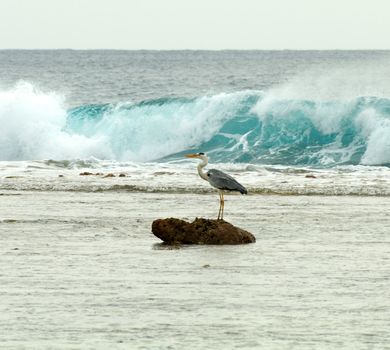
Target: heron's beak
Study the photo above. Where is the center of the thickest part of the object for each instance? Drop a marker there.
(192, 155)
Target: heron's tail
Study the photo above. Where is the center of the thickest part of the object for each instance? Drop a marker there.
(243, 190)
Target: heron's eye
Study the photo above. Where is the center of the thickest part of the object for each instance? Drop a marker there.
(201, 154)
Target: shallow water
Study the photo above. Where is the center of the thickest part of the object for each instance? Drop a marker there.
(181, 176)
(82, 271)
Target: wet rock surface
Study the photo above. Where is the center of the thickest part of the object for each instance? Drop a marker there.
(200, 231)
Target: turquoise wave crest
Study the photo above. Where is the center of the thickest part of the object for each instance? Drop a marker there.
(243, 127)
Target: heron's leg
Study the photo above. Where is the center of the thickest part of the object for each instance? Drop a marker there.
(220, 205)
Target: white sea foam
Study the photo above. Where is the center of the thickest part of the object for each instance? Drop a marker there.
(377, 130)
(31, 128)
(181, 176)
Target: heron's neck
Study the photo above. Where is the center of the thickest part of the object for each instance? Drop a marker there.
(201, 165)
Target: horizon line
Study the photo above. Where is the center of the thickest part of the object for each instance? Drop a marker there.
(214, 50)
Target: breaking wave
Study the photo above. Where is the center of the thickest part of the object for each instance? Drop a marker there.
(248, 126)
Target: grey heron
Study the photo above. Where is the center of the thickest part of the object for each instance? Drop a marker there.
(218, 179)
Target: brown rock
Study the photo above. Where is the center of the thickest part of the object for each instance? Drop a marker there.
(311, 176)
(109, 175)
(122, 175)
(85, 173)
(201, 231)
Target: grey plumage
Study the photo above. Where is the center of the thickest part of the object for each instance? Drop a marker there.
(223, 181)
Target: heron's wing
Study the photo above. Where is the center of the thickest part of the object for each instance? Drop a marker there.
(223, 181)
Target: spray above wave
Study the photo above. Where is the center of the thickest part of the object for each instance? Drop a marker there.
(32, 127)
(248, 126)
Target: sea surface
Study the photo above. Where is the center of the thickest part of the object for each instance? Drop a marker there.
(306, 108)
(306, 132)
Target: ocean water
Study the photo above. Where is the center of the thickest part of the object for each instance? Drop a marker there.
(256, 112)
(319, 109)
(306, 132)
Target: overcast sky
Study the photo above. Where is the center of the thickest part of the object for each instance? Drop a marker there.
(195, 24)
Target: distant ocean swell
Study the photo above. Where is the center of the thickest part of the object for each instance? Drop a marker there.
(248, 126)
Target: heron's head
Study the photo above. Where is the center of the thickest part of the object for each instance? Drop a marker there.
(199, 155)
